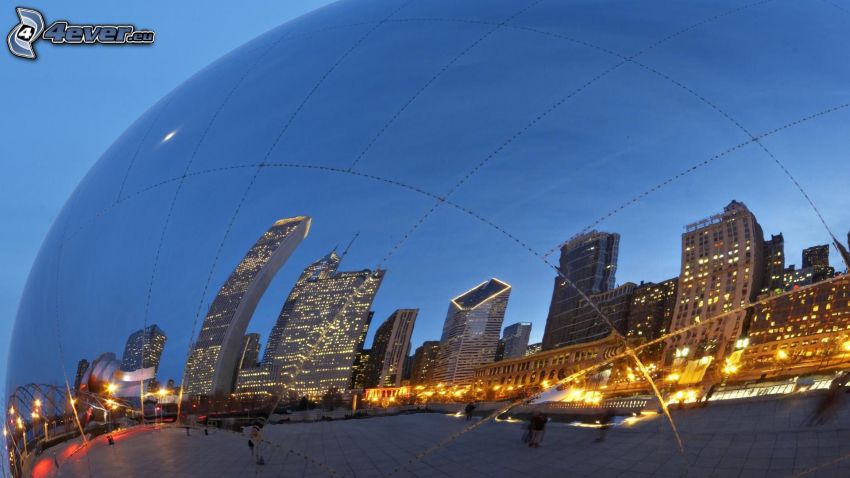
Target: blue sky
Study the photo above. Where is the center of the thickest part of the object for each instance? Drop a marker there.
(631, 129)
(85, 91)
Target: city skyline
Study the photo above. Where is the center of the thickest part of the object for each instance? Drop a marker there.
(562, 173)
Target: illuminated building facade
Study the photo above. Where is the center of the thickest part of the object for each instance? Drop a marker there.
(722, 265)
(390, 348)
(817, 258)
(143, 349)
(215, 355)
(794, 278)
(325, 331)
(809, 324)
(424, 360)
(774, 264)
(534, 348)
(588, 262)
(550, 365)
(471, 332)
(322, 299)
(358, 369)
(515, 339)
(651, 309)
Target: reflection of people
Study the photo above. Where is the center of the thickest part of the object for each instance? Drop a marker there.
(254, 437)
(605, 422)
(470, 407)
(537, 427)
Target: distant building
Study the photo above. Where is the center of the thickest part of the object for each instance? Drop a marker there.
(774, 264)
(215, 355)
(505, 378)
(533, 349)
(143, 349)
(250, 351)
(319, 331)
(82, 366)
(423, 361)
(471, 332)
(390, 348)
(515, 337)
(587, 267)
(589, 325)
(794, 278)
(817, 258)
(722, 264)
(358, 369)
(809, 324)
(651, 309)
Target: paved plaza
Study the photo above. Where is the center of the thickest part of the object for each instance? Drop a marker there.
(768, 438)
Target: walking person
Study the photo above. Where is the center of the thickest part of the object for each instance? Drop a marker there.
(537, 427)
(470, 407)
(605, 423)
(254, 437)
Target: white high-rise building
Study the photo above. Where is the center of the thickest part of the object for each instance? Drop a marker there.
(722, 264)
(471, 332)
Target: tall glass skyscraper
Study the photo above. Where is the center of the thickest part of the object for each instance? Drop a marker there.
(390, 348)
(515, 337)
(588, 261)
(216, 353)
(471, 332)
(143, 349)
(320, 329)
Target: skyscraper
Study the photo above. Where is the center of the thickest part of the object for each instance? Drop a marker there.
(651, 310)
(82, 366)
(214, 358)
(358, 369)
(817, 258)
(320, 329)
(471, 331)
(390, 348)
(423, 361)
(250, 351)
(588, 262)
(774, 264)
(515, 337)
(143, 349)
(722, 263)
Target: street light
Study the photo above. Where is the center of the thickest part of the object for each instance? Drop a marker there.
(111, 388)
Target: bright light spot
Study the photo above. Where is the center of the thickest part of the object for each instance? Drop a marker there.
(782, 355)
(169, 136)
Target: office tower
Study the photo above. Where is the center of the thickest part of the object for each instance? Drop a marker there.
(82, 366)
(534, 348)
(358, 369)
(214, 358)
(515, 337)
(471, 332)
(408, 366)
(774, 264)
(250, 351)
(390, 348)
(817, 259)
(588, 263)
(321, 269)
(722, 263)
(144, 349)
(651, 310)
(319, 331)
(423, 361)
(794, 278)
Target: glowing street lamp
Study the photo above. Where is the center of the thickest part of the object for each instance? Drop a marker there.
(111, 388)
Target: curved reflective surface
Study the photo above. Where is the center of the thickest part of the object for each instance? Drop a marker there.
(443, 133)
